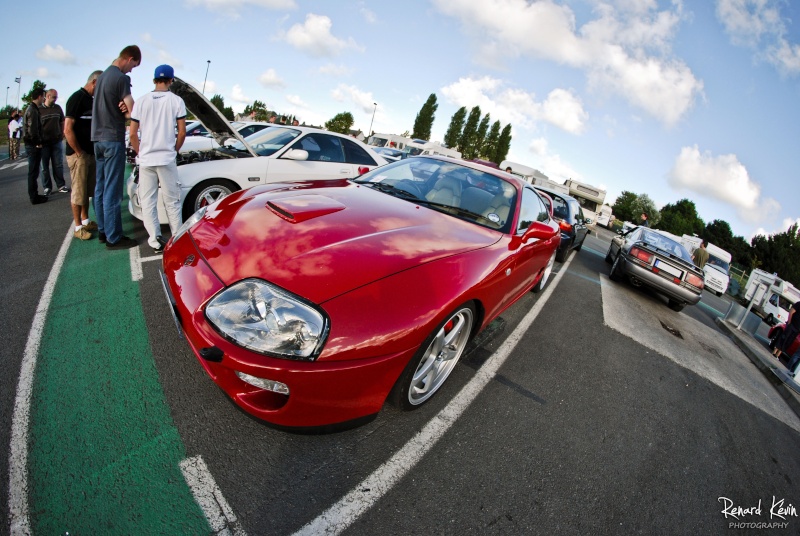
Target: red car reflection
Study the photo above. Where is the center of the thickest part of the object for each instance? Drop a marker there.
(311, 303)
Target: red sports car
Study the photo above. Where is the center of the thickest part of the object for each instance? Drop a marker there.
(310, 303)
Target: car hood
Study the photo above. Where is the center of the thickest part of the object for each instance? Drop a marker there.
(205, 112)
(320, 239)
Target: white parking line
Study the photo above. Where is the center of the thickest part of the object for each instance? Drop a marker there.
(361, 498)
(136, 263)
(208, 495)
(18, 449)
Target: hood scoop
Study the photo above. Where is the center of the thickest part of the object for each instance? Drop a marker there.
(300, 208)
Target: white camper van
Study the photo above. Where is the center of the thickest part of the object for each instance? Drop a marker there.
(533, 176)
(389, 140)
(718, 268)
(774, 306)
(422, 147)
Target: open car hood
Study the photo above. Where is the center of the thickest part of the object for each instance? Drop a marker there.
(205, 112)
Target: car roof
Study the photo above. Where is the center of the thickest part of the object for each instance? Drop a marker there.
(554, 193)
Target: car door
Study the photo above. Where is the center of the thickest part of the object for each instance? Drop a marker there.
(531, 256)
(326, 160)
(580, 223)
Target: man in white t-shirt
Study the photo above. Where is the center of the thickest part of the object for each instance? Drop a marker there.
(156, 115)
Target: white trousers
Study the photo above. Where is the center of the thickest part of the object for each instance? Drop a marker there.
(149, 180)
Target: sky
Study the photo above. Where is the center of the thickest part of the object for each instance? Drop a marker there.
(674, 99)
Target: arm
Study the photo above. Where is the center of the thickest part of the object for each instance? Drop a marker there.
(181, 134)
(133, 132)
(128, 100)
(69, 134)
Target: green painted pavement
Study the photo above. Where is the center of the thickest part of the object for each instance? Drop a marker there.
(103, 452)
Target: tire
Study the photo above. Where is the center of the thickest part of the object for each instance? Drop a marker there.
(774, 340)
(435, 360)
(581, 244)
(770, 320)
(609, 259)
(206, 193)
(676, 306)
(719, 294)
(561, 254)
(614, 274)
(546, 275)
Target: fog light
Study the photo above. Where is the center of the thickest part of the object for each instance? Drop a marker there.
(263, 383)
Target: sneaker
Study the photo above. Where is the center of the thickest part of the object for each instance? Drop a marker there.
(64, 190)
(47, 191)
(162, 241)
(91, 227)
(39, 199)
(122, 243)
(158, 250)
(83, 234)
(102, 238)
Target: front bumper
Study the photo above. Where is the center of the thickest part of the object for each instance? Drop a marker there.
(320, 393)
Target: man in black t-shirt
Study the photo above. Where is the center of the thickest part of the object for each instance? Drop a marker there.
(80, 155)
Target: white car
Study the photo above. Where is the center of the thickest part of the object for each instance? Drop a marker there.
(274, 154)
(208, 143)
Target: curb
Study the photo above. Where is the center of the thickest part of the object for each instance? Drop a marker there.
(784, 384)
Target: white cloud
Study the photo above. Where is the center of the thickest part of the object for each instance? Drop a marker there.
(551, 164)
(331, 69)
(784, 226)
(270, 78)
(58, 54)
(295, 100)
(723, 178)
(626, 50)
(231, 8)
(562, 108)
(758, 25)
(237, 95)
(364, 100)
(314, 37)
(368, 14)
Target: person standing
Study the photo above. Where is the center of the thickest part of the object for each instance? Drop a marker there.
(52, 118)
(645, 222)
(156, 115)
(790, 331)
(80, 155)
(32, 137)
(112, 105)
(14, 134)
(700, 256)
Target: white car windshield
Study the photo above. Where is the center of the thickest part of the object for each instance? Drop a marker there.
(269, 140)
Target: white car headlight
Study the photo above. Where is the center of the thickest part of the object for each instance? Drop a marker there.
(266, 319)
(194, 218)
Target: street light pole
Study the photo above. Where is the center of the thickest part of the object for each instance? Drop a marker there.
(7, 88)
(373, 119)
(208, 64)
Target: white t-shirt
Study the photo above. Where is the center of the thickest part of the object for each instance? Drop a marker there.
(157, 114)
(13, 128)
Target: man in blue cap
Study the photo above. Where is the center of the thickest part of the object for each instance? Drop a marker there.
(155, 116)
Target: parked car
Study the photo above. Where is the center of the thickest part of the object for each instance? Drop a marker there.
(569, 215)
(648, 257)
(200, 143)
(389, 154)
(276, 153)
(195, 128)
(310, 303)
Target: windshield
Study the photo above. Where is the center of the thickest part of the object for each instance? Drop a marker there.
(460, 191)
(378, 142)
(268, 141)
(659, 241)
(718, 264)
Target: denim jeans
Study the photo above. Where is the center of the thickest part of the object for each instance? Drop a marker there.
(110, 165)
(34, 164)
(53, 152)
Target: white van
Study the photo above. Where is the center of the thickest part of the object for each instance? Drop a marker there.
(780, 296)
(717, 269)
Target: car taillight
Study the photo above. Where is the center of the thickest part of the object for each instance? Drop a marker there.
(565, 226)
(695, 281)
(362, 169)
(642, 255)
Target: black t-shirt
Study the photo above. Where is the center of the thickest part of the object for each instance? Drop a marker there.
(796, 316)
(79, 108)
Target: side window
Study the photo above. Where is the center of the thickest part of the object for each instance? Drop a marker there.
(531, 210)
(355, 154)
(321, 148)
(773, 299)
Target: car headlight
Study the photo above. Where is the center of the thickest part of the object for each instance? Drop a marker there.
(194, 218)
(266, 319)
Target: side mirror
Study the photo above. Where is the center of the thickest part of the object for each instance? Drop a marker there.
(539, 231)
(588, 221)
(296, 154)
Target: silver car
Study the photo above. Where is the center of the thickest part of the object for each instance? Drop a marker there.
(652, 258)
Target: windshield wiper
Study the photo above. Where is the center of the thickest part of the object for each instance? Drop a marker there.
(459, 210)
(392, 190)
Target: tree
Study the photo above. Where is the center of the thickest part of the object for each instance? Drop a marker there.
(643, 203)
(503, 145)
(466, 143)
(489, 149)
(26, 98)
(258, 111)
(623, 206)
(424, 121)
(779, 253)
(5, 112)
(453, 133)
(681, 218)
(219, 102)
(481, 137)
(341, 123)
